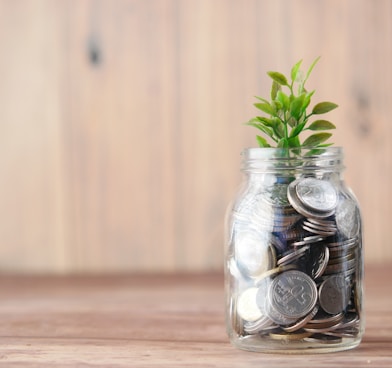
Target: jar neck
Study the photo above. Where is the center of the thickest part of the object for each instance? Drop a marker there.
(293, 161)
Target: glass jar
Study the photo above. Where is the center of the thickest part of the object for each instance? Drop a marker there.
(293, 257)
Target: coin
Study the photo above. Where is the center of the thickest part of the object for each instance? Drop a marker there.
(252, 252)
(302, 322)
(313, 198)
(323, 339)
(334, 294)
(347, 218)
(317, 261)
(247, 307)
(340, 267)
(307, 240)
(299, 335)
(318, 195)
(259, 325)
(293, 294)
(292, 255)
(323, 320)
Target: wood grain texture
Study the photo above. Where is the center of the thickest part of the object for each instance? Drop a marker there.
(155, 320)
(122, 122)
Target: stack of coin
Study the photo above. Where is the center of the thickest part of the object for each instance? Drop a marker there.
(296, 247)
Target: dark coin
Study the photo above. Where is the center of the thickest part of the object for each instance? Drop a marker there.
(334, 294)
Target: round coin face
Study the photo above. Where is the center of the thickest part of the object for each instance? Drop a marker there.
(317, 195)
(247, 307)
(334, 294)
(252, 253)
(293, 294)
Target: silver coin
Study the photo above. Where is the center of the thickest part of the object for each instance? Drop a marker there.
(334, 294)
(292, 255)
(302, 322)
(278, 317)
(318, 231)
(259, 325)
(293, 294)
(276, 195)
(318, 261)
(322, 222)
(318, 195)
(347, 218)
(247, 307)
(323, 339)
(252, 253)
(340, 267)
(308, 240)
(295, 202)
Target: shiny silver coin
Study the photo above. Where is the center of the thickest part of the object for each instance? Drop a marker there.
(342, 258)
(252, 252)
(324, 339)
(302, 322)
(259, 325)
(318, 261)
(276, 195)
(340, 267)
(292, 255)
(308, 240)
(293, 294)
(262, 300)
(334, 294)
(301, 207)
(318, 195)
(324, 320)
(278, 317)
(347, 218)
(330, 224)
(318, 231)
(345, 243)
(247, 307)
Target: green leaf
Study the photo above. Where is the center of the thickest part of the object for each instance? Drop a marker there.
(311, 68)
(296, 106)
(254, 123)
(265, 107)
(323, 107)
(297, 130)
(275, 88)
(278, 77)
(262, 99)
(283, 143)
(308, 97)
(294, 142)
(321, 125)
(278, 128)
(294, 71)
(262, 141)
(292, 122)
(283, 99)
(316, 139)
(264, 120)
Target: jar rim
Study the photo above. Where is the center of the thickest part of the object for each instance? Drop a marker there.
(267, 152)
(303, 158)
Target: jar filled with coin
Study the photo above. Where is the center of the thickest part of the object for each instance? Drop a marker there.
(293, 257)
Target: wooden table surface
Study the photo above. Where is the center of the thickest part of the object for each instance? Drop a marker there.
(155, 320)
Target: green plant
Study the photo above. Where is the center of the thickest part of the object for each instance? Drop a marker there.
(287, 115)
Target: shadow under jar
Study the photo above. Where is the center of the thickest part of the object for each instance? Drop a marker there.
(293, 257)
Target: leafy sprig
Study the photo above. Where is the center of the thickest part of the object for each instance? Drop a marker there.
(287, 112)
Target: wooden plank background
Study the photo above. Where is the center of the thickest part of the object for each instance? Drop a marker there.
(121, 122)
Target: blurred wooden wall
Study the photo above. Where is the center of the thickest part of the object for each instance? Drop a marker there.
(121, 122)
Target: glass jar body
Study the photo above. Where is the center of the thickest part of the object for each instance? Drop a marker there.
(293, 257)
